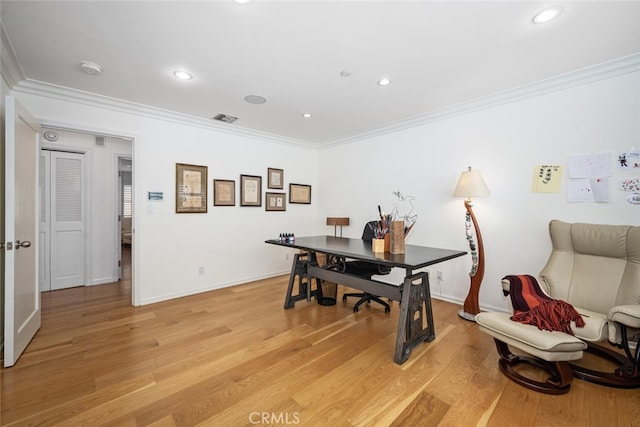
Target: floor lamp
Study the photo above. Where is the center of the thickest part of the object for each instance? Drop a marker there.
(470, 185)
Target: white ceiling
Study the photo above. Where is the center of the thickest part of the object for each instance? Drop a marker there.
(438, 54)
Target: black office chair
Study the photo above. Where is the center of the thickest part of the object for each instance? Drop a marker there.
(365, 270)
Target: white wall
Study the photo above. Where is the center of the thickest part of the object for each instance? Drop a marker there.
(170, 248)
(504, 143)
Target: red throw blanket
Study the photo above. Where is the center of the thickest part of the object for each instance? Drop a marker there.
(533, 307)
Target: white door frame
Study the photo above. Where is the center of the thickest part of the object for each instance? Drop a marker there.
(118, 244)
(44, 226)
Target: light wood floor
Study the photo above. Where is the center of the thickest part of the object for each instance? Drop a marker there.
(235, 357)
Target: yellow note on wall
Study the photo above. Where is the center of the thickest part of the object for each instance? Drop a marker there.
(547, 179)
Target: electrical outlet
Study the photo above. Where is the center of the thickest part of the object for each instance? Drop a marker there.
(286, 257)
(201, 270)
(440, 275)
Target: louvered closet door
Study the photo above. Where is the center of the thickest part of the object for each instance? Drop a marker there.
(67, 214)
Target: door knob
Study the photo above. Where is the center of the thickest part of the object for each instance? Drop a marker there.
(24, 244)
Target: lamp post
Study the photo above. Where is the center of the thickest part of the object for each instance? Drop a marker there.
(470, 185)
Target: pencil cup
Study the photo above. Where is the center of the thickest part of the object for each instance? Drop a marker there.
(397, 237)
(377, 245)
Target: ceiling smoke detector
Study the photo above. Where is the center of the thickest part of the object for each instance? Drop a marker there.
(50, 136)
(90, 68)
(225, 118)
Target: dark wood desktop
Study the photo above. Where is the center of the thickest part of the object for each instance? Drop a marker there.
(415, 324)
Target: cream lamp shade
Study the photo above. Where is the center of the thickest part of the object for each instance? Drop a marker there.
(470, 185)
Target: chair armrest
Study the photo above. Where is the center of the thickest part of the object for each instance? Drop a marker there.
(506, 287)
(628, 315)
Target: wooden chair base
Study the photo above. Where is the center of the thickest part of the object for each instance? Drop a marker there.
(626, 375)
(560, 374)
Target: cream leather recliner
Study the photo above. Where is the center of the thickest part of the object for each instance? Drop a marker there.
(595, 268)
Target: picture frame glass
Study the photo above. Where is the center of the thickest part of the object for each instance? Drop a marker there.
(300, 193)
(275, 202)
(275, 178)
(224, 192)
(250, 190)
(191, 188)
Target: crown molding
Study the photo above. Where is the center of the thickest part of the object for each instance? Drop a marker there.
(606, 70)
(10, 67)
(48, 90)
(12, 72)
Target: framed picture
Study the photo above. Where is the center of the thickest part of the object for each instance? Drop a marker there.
(300, 193)
(250, 190)
(275, 178)
(275, 202)
(191, 188)
(224, 192)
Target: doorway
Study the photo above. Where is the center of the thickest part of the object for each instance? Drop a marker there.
(101, 248)
(125, 216)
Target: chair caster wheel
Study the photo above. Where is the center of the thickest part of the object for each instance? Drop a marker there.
(344, 297)
(355, 309)
(387, 310)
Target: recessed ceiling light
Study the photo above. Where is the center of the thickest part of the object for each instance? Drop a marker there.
(384, 81)
(255, 99)
(182, 75)
(242, 1)
(345, 73)
(547, 15)
(90, 68)
(307, 115)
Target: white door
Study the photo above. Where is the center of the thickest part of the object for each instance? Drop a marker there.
(61, 234)
(22, 297)
(67, 220)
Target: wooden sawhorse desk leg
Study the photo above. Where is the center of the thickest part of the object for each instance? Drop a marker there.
(415, 324)
(299, 268)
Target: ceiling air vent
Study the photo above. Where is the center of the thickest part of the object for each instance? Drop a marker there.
(101, 141)
(225, 118)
